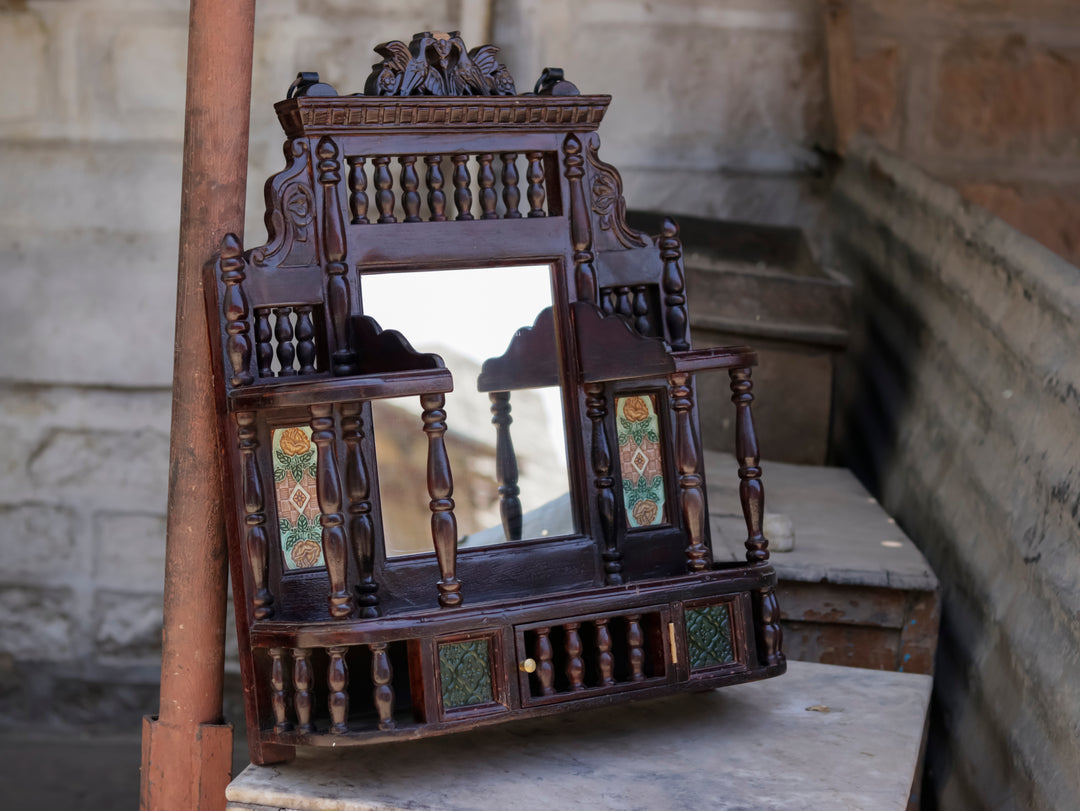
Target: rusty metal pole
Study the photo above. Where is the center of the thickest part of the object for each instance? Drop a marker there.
(187, 749)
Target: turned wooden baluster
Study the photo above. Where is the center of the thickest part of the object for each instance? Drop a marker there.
(623, 304)
(545, 670)
(506, 466)
(381, 675)
(328, 490)
(641, 310)
(358, 200)
(256, 541)
(302, 698)
(235, 308)
(575, 665)
(535, 192)
(603, 646)
(337, 679)
(674, 285)
(607, 301)
(263, 342)
(511, 193)
(436, 197)
(580, 230)
(462, 193)
(283, 332)
(305, 340)
(751, 490)
(596, 411)
(772, 635)
(410, 182)
(279, 698)
(361, 531)
(440, 485)
(343, 359)
(691, 482)
(488, 197)
(384, 196)
(635, 640)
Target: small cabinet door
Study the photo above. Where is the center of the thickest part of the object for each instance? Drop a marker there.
(570, 658)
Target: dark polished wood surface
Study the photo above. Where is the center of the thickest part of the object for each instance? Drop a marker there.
(441, 166)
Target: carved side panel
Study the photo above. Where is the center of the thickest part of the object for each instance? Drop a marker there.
(291, 240)
(608, 202)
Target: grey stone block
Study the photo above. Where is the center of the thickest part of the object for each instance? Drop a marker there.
(135, 462)
(128, 625)
(36, 540)
(130, 551)
(38, 622)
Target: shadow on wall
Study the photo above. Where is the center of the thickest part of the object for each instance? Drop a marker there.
(960, 409)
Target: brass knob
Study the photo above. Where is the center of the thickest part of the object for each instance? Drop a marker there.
(528, 666)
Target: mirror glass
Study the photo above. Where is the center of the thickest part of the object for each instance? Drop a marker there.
(467, 317)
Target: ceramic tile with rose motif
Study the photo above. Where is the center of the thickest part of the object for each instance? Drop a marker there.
(295, 459)
(640, 459)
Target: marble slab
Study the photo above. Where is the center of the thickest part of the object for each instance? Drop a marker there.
(842, 534)
(820, 736)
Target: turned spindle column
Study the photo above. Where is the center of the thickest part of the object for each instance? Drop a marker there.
(384, 196)
(674, 284)
(256, 540)
(511, 192)
(635, 641)
(545, 670)
(506, 466)
(535, 191)
(235, 308)
(604, 481)
(302, 681)
(305, 339)
(283, 332)
(358, 199)
(488, 197)
(580, 229)
(440, 484)
(575, 665)
(772, 634)
(751, 490)
(436, 197)
(279, 697)
(328, 490)
(691, 482)
(337, 679)
(361, 530)
(462, 193)
(605, 658)
(343, 359)
(264, 346)
(410, 182)
(382, 675)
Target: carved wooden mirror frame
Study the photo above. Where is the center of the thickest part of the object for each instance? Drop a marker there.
(359, 648)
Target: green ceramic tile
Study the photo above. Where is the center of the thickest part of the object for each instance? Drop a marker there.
(708, 635)
(465, 671)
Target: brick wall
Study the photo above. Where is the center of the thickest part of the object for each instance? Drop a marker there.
(91, 122)
(983, 95)
(960, 406)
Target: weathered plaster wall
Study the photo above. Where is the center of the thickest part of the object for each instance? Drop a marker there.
(962, 409)
(981, 94)
(91, 122)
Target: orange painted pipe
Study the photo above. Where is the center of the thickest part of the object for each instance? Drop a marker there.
(187, 749)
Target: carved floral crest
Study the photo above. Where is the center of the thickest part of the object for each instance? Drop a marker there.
(437, 64)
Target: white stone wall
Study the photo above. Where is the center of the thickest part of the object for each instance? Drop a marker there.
(718, 106)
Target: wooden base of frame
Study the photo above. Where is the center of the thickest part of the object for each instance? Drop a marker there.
(425, 673)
